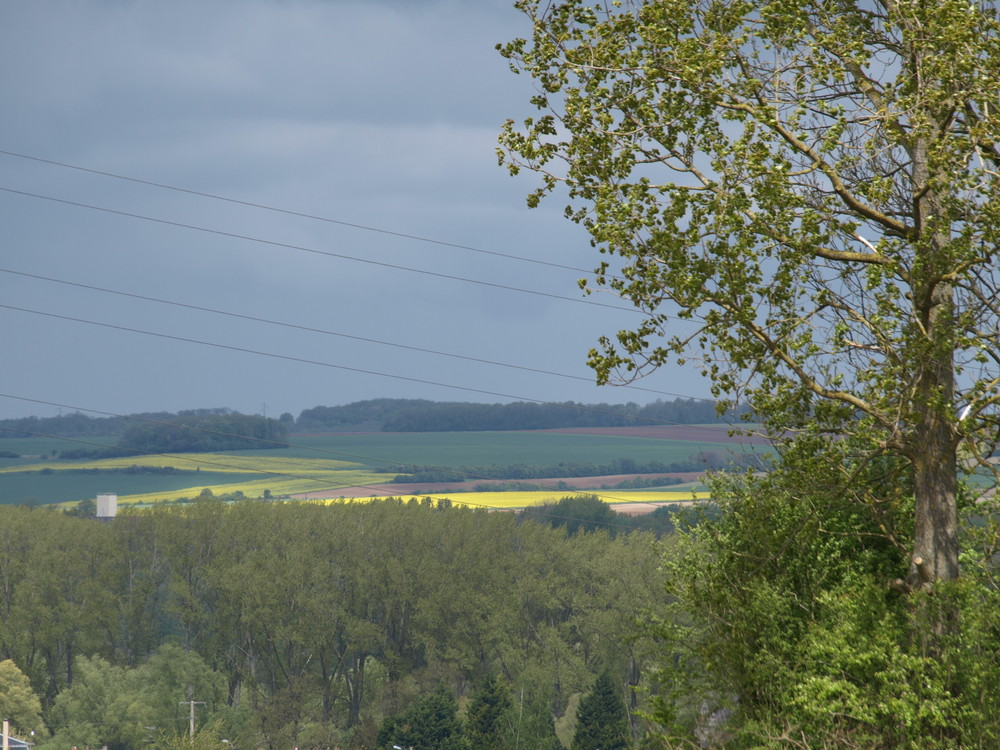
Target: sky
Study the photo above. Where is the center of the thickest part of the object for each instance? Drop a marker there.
(402, 261)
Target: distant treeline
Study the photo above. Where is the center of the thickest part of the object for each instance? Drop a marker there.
(75, 425)
(143, 431)
(360, 416)
(397, 415)
(220, 430)
(205, 434)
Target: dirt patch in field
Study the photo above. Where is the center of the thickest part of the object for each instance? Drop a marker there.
(693, 432)
(641, 509)
(436, 488)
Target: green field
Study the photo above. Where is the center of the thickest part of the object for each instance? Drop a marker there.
(311, 463)
(33, 448)
(453, 449)
(34, 488)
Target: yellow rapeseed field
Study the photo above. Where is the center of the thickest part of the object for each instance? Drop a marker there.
(509, 500)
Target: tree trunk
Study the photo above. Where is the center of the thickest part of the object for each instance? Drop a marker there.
(935, 539)
(933, 448)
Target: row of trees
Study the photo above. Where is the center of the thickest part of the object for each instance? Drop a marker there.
(204, 433)
(445, 417)
(314, 623)
(407, 415)
(141, 431)
(79, 425)
(495, 720)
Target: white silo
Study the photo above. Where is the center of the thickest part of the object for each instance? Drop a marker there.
(107, 505)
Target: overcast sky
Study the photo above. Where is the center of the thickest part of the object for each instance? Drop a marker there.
(380, 113)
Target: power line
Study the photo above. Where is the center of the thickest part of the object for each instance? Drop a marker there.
(289, 358)
(315, 251)
(347, 368)
(299, 214)
(311, 329)
(304, 360)
(315, 217)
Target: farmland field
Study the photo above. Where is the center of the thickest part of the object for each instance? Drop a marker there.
(511, 500)
(536, 448)
(337, 465)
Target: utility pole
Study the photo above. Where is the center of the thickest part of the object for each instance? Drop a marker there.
(191, 715)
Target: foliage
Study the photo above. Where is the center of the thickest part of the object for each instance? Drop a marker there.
(437, 417)
(366, 416)
(601, 722)
(532, 724)
(431, 724)
(204, 433)
(86, 508)
(302, 624)
(575, 513)
(589, 513)
(408, 415)
(129, 707)
(813, 187)
(18, 701)
(785, 619)
(802, 197)
(485, 718)
(209, 737)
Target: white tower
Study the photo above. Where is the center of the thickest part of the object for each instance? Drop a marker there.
(107, 505)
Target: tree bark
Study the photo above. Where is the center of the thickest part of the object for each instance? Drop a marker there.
(935, 542)
(932, 444)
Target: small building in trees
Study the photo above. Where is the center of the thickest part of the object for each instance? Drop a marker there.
(107, 505)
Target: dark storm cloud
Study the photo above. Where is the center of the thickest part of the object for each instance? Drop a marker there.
(382, 114)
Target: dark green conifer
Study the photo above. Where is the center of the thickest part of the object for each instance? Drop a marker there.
(431, 724)
(601, 721)
(486, 724)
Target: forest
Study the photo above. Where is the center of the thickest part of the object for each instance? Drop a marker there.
(315, 625)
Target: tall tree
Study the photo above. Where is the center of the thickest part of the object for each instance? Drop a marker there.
(814, 186)
(432, 723)
(485, 719)
(18, 701)
(601, 723)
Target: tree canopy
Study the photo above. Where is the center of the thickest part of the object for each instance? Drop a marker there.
(813, 186)
(302, 624)
(18, 701)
